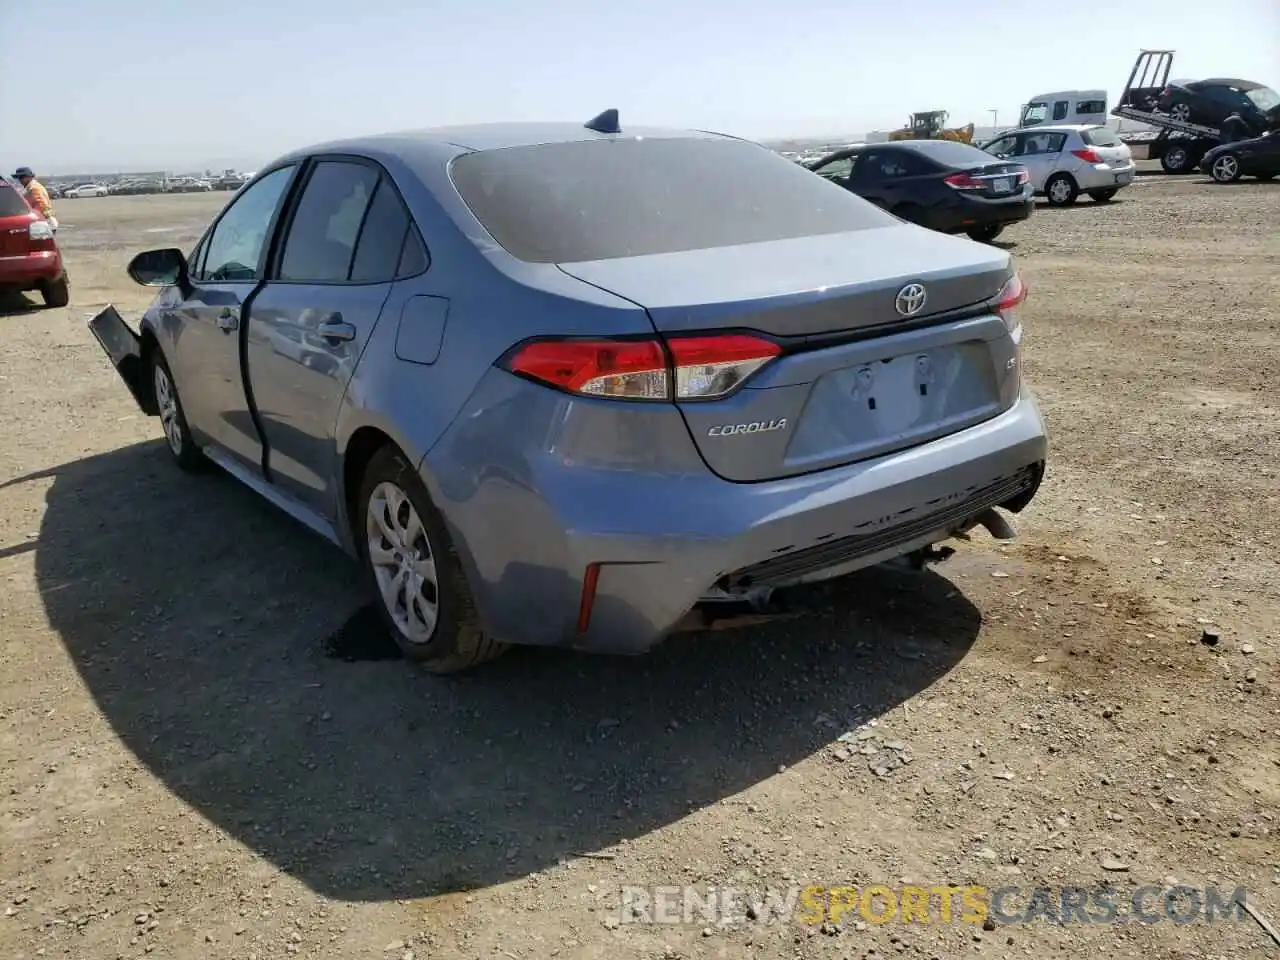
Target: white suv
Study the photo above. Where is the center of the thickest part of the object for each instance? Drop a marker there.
(1067, 160)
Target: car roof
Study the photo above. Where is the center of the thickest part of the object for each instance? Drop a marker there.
(1227, 82)
(451, 140)
(1053, 128)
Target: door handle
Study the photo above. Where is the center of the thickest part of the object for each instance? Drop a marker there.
(337, 329)
(228, 321)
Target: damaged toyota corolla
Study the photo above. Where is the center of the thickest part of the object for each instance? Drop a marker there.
(561, 384)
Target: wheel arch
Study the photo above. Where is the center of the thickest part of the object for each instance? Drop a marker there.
(358, 449)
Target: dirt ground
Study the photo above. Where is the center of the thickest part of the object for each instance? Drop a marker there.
(188, 771)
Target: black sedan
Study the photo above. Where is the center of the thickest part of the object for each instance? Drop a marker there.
(1259, 157)
(947, 186)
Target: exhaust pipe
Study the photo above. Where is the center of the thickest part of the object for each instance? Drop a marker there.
(995, 524)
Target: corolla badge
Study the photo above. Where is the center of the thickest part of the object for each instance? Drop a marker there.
(910, 299)
(739, 429)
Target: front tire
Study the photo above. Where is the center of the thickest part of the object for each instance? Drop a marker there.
(409, 558)
(1102, 196)
(1226, 168)
(173, 419)
(1061, 190)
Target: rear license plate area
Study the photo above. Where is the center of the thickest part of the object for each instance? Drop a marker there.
(874, 406)
(1124, 177)
(1002, 185)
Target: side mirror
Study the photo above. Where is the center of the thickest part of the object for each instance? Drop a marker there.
(159, 268)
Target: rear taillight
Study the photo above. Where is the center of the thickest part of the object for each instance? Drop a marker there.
(1023, 177)
(1007, 301)
(1088, 155)
(964, 181)
(689, 368)
(40, 234)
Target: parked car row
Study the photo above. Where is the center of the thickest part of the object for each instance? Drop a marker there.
(978, 191)
(133, 186)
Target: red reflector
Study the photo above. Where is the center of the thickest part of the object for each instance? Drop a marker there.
(590, 578)
(1023, 177)
(1088, 155)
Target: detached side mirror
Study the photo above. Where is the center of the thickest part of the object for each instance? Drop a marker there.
(159, 268)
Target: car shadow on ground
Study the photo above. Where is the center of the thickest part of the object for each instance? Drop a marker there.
(17, 305)
(197, 616)
(1083, 202)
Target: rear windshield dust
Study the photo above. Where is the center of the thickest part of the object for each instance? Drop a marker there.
(604, 199)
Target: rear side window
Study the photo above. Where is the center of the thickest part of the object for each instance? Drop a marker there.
(322, 237)
(1091, 106)
(382, 237)
(605, 199)
(1100, 137)
(1060, 110)
(12, 203)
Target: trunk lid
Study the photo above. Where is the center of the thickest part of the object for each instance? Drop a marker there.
(897, 385)
(803, 287)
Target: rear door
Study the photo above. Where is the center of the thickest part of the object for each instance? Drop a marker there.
(335, 267)
(888, 177)
(204, 330)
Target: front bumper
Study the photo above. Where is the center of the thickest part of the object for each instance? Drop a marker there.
(659, 542)
(30, 271)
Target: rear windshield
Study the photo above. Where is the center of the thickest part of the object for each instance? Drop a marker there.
(1100, 137)
(605, 199)
(949, 153)
(12, 203)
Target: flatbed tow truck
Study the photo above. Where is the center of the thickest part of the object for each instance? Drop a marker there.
(1177, 145)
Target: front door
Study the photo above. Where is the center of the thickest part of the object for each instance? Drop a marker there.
(206, 324)
(312, 319)
(1040, 153)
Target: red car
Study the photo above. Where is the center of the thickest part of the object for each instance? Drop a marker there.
(29, 255)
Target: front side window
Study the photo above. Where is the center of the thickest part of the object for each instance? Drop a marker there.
(1035, 113)
(1060, 110)
(322, 237)
(1002, 147)
(1264, 98)
(236, 244)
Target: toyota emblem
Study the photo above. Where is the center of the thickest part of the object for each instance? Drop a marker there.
(910, 300)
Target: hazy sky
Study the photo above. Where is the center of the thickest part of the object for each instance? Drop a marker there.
(175, 83)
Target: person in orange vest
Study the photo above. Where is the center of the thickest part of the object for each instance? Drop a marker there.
(37, 195)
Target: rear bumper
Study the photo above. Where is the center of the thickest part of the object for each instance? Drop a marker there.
(30, 270)
(968, 212)
(1099, 177)
(660, 541)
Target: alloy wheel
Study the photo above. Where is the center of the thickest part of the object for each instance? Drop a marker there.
(1226, 168)
(403, 562)
(1060, 191)
(167, 401)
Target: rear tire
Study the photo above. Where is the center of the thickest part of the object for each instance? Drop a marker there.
(1176, 160)
(1061, 190)
(423, 595)
(910, 212)
(56, 293)
(986, 234)
(1102, 196)
(173, 419)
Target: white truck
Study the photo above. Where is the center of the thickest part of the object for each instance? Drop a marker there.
(1065, 106)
